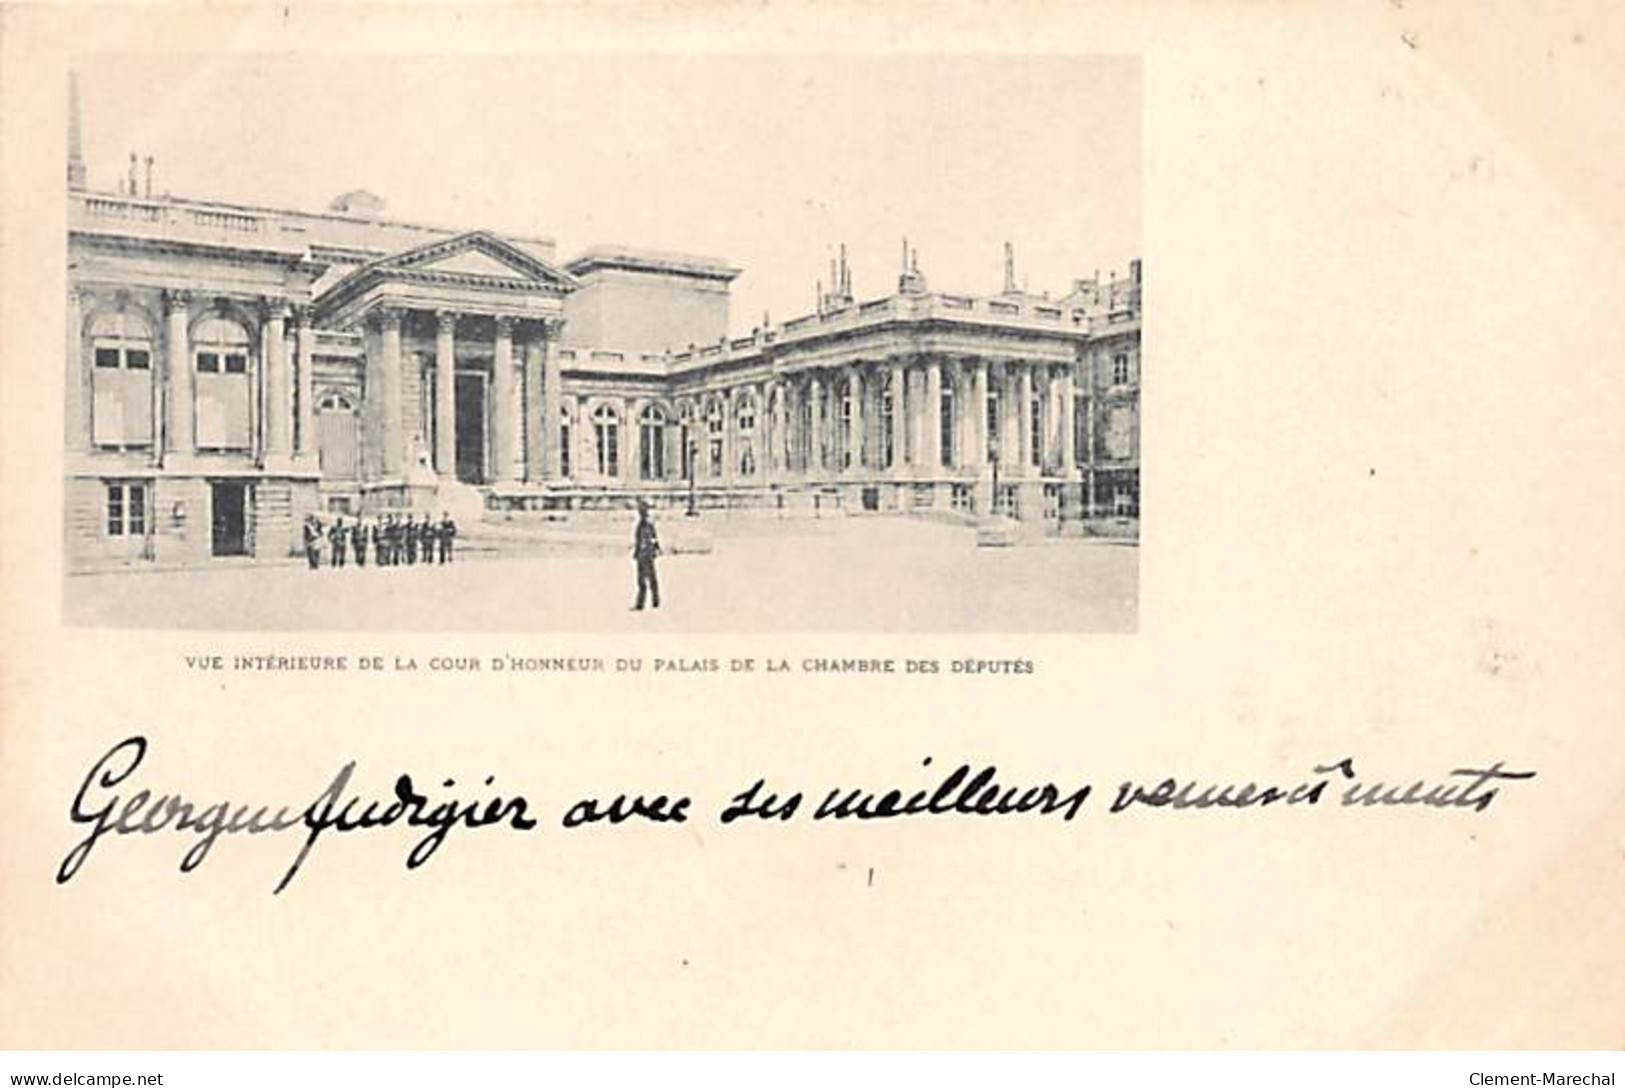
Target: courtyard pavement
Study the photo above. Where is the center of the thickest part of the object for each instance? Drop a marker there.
(847, 574)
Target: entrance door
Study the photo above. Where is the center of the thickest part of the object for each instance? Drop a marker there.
(471, 428)
(229, 507)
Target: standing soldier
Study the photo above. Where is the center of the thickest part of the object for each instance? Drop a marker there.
(426, 535)
(313, 541)
(645, 546)
(448, 533)
(336, 539)
(392, 540)
(377, 544)
(409, 530)
(358, 542)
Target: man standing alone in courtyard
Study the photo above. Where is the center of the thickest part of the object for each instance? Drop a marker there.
(645, 546)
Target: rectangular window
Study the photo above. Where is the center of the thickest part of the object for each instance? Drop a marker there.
(564, 451)
(224, 401)
(107, 358)
(992, 424)
(208, 363)
(1119, 369)
(945, 427)
(136, 513)
(115, 509)
(236, 364)
(1035, 440)
(136, 360)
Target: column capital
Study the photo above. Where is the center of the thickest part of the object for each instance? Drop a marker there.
(387, 318)
(176, 299)
(551, 327)
(505, 324)
(275, 309)
(446, 320)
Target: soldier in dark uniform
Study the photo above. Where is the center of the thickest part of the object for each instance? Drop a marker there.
(392, 540)
(448, 533)
(426, 534)
(313, 541)
(358, 542)
(409, 533)
(377, 544)
(645, 546)
(337, 542)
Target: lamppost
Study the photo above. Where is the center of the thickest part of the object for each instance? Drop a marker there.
(688, 457)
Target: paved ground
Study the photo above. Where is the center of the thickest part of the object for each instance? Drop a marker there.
(873, 574)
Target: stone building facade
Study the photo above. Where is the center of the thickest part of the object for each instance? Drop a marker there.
(231, 369)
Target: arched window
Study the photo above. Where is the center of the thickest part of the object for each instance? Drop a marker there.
(652, 443)
(745, 420)
(606, 429)
(220, 350)
(121, 380)
(337, 447)
(714, 422)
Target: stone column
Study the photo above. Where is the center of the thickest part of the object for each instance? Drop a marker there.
(503, 445)
(854, 393)
(982, 496)
(76, 417)
(278, 390)
(1024, 417)
(815, 429)
(552, 403)
(535, 405)
(390, 427)
(585, 464)
(182, 434)
(1009, 422)
(1069, 425)
(932, 448)
(304, 343)
(445, 395)
(899, 418)
(628, 442)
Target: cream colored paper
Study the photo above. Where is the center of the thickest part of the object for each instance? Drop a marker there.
(1383, 521)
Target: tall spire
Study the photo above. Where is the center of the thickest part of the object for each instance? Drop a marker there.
(76, 158)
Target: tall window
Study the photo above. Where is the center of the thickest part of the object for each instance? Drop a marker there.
(1120, 368)
(220, 348)
(945, 423)
(745, 420)
(845, 427)
(714, 422)
(337, 447)
(127, 509)
(606, 429)
(1035, 440)
(564, 442)
(121, 381)
(652, 443)
(992, 424)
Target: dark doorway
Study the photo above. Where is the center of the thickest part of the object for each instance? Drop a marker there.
(228, 504)
(471, 428)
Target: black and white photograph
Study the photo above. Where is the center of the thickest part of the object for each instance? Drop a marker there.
(781, 344)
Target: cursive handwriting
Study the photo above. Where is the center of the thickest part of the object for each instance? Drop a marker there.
(103, 808)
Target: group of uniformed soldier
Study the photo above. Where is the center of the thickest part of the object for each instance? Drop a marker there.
(394, 540)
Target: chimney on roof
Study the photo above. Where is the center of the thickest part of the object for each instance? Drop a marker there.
(76, 157)
(1009, 269)
(147, 192)
(132, 173)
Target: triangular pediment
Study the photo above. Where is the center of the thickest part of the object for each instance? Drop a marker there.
(472, 261)
(477, 253)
